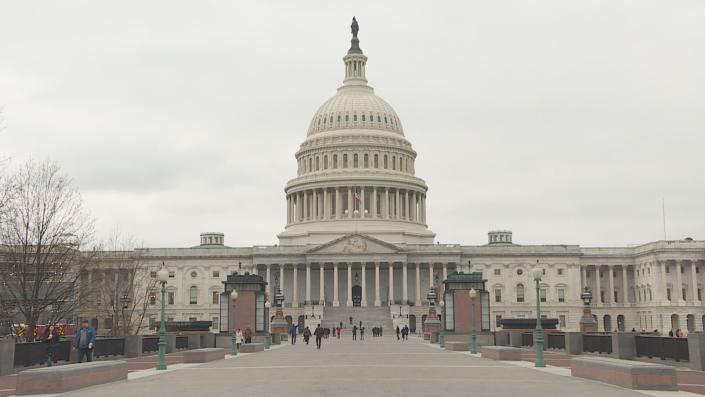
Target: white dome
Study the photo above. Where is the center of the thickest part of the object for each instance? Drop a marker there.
(355, 107)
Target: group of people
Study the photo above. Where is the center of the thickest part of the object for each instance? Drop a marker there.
(377, 331)
(319, 333)
(83, 342)
(241, 336)
(404, 332)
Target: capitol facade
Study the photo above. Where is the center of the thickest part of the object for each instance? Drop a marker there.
(356, 242)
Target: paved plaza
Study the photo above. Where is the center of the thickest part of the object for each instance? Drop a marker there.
(374, 367)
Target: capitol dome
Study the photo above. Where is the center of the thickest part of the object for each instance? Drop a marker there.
(356, 170)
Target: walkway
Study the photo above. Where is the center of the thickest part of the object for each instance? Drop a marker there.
(374, 367)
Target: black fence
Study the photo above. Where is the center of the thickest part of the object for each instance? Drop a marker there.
(105, 347)
(185, 326)
(597, 343)
(555, 341)
(527, 339)
(33, 353)
(150, 344)
(662, 347)
(181, 342)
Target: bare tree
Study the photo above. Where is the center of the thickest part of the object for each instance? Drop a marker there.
(122, 285)
(43, 228)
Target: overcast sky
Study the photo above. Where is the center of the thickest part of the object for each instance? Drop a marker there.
(564, 121)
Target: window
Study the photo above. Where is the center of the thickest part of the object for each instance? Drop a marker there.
(216, 273)
(602, 296)
(394, 162)
(152, 320)
(152, 297)
(561, 295)
(700, 294)
(194, 274)
(587, 274)
(193, 319)
(683, 293)
(542, 294)
(215, 319)
(317, 163)
(600, 274)
(170, 298)
(325, 159)
(376, 161)
(561, 320)
(497, 294)
(682, 269)
(216, 297)
(543, 271)
(335, 161)
(347, 117)
(355, 165)
(172, 274)
(668, 294)
(616, 293)
(366, 161)
(668, 269)
(170, 319)
(560, 271)
(520, 293)
(519, 271)
(345, 160)
(355, 117)
(385, 161)
(153, 274)
(193, 295)
(498, 321)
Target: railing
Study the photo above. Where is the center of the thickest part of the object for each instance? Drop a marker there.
(109, 347)
(150, 345)
(33, 353)
(555, 341)
(597, 343)
(662, 347)
(527, 339)
(181, 342)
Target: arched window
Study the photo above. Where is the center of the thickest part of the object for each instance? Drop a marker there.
(376, 160)
(317, 163)
(520, 292)
(347, 117)
(355, 160)
(339, 118)
(366, 161)
(394, 162)
(363, 117)
(355, 117)
(325, 162)
(310, 164)
(193, 295)
(345, 160)
(335, 161)
(385, 161)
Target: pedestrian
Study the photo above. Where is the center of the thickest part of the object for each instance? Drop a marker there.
(292, 333)
(319, 335)
(84, 342)
(380, 331)
(354, 332)
(238, 338)
(247, 335)
(362, 333)
(339, 328)
(397, 332)
(307, 334)
(350, 320)
(51, 337)
(341, 324)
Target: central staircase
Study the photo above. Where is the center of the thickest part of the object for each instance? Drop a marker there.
(371, 316)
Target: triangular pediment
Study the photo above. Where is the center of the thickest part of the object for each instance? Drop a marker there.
(356, 244)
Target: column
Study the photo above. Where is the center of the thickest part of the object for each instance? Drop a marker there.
(321, 293)
(363, 301)
(679, 282)
(391, 283)
(362, 202)
(397, 213)
(583, 278)
(308, 284)
(295, 295)
(407, 198)
(418, 285)
(281, 277)
(430, 275)
(338, 205)
(405, 287)
(445, 272)
(664, 283)
(374, 202)
(350, 284)
(336, 302)
(597, 285)
(377, 300)
(694, 282)
(269, 290)
(625, 284)
(412, 209)
(288, 209)
(611, 284)
(350, 204)
(386, 203)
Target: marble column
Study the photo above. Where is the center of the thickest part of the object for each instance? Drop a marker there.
(694, 282)
(281, 278)
(326, 205)
(611, 284)
(386, 203)
(350, 302)
(336, 302)
(664, 284)
(350, 202)
(391, 283)
(407, 214)
(321, 283)
(295, 295)
(363, 301)
(306, 214)
(417, 302)
(430, 274)
(397, 213)
(583, 278)
(445, 272)
(362, 202)
(597, 285)
(405, 287)
(308, 284)
(679, 282)
(377, 300)
(269, 272)
(374, 202)
(338, 204)
(625, 284)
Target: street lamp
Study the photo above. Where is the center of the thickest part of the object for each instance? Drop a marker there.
(233, 334)
(473, 294)
(442, 336)
(587, 322)
(267, 333)
(162, 276)
(537, 273)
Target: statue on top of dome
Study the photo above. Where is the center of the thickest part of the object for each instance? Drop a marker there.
(354, 27)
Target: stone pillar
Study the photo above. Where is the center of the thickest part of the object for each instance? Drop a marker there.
(611, 284)
(281, 277)
(350, 302)
(597, 285)
(7, 352)
(374, 202)
(405, 287)
(386, 203)
(445, 272)
(417, 301)
(326, 205)
(583, 278)
(133, 346)
(306, 214)
(321, 284)
(377, 300)
(515, 339)
(350, 203)
(694, 282)
(336, 302)
(308, 284)
(194, 341)
(338, 204)
(696, 351)
(664, 282)
(407, 198)
(624, 345)
(430, 275)
(625, 284)
(363, 302)
(391, 283)
(574, 343)
(362, 202)
(269, 272)
(397, 213)
(295, 293)
(679, 282)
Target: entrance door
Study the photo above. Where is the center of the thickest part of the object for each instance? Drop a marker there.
(412, 323)
(356, 295)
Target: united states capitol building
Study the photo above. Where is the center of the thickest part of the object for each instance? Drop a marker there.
(357, 243)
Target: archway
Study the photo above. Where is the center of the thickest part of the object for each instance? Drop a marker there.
(675, 322)
(412, 323)
(607, 323)
(690, 323)
(620, 323)
(356, 295)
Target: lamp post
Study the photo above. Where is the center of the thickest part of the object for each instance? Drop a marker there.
(233, 334)
(537, 273)
(163, 276)
(473, 294)
(587, 322)
(267, 333)
(442, 335)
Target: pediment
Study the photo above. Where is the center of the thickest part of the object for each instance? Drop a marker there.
(356, 244)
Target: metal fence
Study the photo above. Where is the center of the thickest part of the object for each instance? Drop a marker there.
(555, 341)
(150, 344)
(181, 342)
(662, 347)
(527, 339)
(33, 353)
(597, 343)
(105, 347)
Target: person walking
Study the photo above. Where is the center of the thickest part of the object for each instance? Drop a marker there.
(397, 332)
(84, 342)
(338, 331)
(238, 338)
(319, 336)
(307, 334)
(51, 337)
(362, 333)
(292, 333)
(354, 332)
